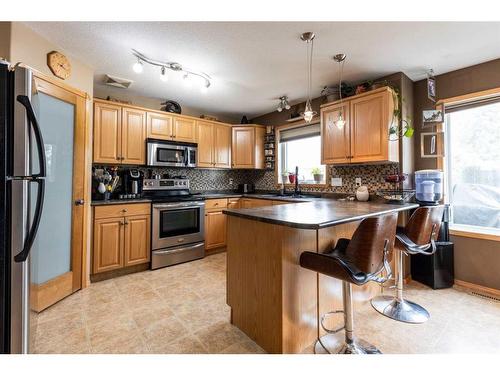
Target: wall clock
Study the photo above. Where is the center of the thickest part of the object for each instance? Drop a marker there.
(59, 64)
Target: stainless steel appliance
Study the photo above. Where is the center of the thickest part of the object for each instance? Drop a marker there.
(132, 182)
(171, 154)
(246, 188)
(22, 173)
(178, 228)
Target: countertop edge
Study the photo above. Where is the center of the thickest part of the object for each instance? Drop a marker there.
(238, 213)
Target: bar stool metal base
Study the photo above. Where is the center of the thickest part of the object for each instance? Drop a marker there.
(336, 344)
(400, 310)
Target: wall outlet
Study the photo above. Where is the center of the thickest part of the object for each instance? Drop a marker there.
(230, 181)
(358, 181)
(336, 181)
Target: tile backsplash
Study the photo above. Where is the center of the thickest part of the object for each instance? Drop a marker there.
(219, 179)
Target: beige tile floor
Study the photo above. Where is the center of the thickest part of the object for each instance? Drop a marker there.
(181, 309)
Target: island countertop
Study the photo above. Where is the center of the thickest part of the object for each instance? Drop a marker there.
(318, 213)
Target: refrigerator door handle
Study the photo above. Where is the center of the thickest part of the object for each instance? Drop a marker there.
(25, 101)
(30, 237)
(35, 178)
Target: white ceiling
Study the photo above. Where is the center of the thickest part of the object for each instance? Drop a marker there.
(254, 63)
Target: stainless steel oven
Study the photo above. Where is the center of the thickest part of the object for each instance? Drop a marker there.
(178, 232)
(171, 154)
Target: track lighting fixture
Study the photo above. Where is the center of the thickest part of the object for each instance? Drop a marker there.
(187, 73)
(283, 104)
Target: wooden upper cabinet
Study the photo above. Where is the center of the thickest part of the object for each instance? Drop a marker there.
(108, 244)
(133, 136)
(370, 120)
(243, 147)
(260, 133)
(205, 140)
(248, 147)
(184, 130)
(335, 145)
(159, 126)
(107, 133)
(365, 136)
(222, 146)
(137, 238)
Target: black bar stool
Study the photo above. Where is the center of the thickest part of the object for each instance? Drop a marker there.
(356, 261)
(417, 238)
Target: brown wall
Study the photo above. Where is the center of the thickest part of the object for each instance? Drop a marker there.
(30, 48)
(476, 260)
(4, 40)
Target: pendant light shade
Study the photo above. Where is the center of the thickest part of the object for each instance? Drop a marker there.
(340, 59)
(308, 113)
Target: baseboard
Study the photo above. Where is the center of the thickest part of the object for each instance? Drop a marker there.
(217, 250)
(46, 294)
(484, 290)
(96, 277)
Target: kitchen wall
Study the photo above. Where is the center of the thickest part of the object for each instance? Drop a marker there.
(219, 179)
(103, 91)
(216, 179)
(476, 260)
(4, 40)
(30, 48)
(371, 175)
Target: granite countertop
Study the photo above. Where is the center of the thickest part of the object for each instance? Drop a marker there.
(318, 213)
(120, 201)
(208, 195)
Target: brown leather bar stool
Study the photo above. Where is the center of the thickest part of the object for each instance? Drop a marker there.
(356, 261)
(416, 238)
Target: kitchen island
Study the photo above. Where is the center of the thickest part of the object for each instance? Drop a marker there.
(273, 300)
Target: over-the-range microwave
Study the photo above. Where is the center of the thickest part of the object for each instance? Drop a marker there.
(170, 154)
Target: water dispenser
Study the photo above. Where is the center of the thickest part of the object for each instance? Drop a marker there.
(429, 186)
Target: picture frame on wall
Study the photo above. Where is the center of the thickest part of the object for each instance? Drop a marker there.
(432, 117)
(431, 87)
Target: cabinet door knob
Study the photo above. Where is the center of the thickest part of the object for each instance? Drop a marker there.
(124, 210)
(126, 222)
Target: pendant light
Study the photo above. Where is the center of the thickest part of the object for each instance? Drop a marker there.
(340, 58)
(308, 113)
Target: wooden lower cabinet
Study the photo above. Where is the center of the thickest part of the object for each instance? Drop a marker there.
(215, 230)
(121, 236)
(108, 244)
(255, 202)
(234, 203)
(137, 235)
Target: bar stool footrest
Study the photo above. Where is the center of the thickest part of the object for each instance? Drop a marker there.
(328, 330)
(335, 344)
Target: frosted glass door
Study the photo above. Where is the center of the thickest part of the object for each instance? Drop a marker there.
(51, 251)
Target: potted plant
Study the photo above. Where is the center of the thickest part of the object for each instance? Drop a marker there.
(317, 174)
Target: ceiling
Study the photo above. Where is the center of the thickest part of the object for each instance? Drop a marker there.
(253, 63)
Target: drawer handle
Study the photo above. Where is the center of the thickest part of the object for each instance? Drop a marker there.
(124, 210)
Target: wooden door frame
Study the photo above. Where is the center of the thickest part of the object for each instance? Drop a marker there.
(78, 274)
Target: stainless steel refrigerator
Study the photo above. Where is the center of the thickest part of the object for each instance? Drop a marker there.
(22, 188)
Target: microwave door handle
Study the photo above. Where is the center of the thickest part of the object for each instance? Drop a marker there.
(24, 100)
(30, 237)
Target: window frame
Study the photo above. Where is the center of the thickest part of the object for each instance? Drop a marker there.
(444, 163)
(277, 178)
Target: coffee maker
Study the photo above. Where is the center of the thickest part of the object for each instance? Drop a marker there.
(132, 183)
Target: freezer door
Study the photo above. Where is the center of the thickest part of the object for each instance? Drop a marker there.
(19, 314)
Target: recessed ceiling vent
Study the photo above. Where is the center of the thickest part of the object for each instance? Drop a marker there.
(117, 82)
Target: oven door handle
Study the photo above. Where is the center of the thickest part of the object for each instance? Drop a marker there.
(178, 205)
(179, 249)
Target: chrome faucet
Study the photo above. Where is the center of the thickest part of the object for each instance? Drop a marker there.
(296, 191)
